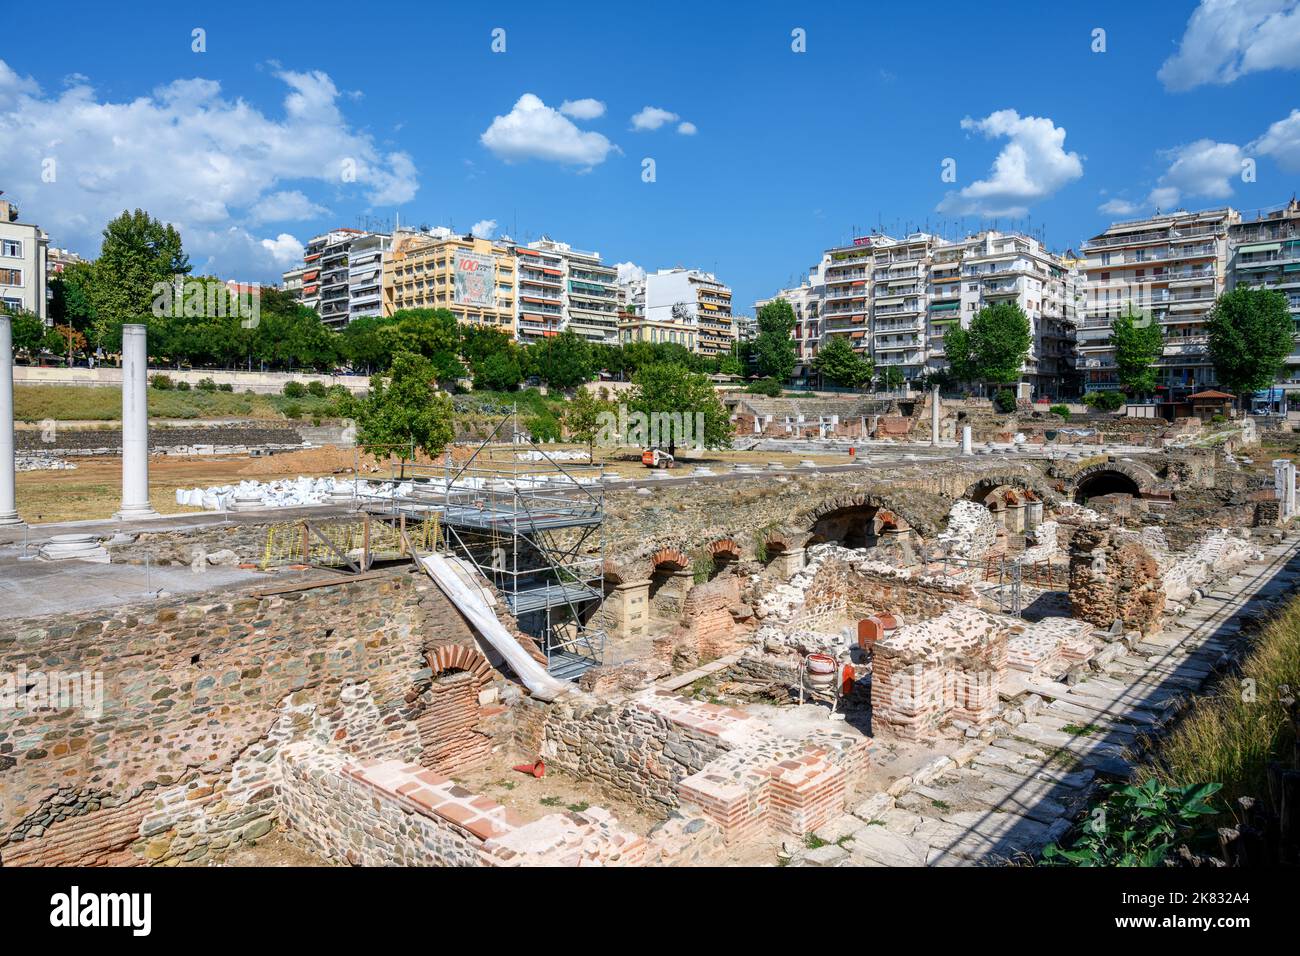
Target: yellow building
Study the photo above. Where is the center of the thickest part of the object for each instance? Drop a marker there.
(474, 278)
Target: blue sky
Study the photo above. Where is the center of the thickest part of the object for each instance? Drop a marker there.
(243, 145)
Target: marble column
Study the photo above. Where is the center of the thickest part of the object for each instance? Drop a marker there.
(135, 424)
(8, 502)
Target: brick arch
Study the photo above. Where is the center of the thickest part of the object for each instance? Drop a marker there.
(1129, 476)
(1024, 487)
(783, 540)
(672, 559)
(858, 501)
(458, 657)
(725, 548)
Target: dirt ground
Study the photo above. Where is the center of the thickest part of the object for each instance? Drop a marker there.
(275, 850)
(533, 798)
(93, 489)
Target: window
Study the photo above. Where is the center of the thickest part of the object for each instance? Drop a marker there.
(14, 304)
(11, 276)
(12, 248)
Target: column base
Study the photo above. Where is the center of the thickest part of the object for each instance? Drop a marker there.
(10, 519)
(137, 511)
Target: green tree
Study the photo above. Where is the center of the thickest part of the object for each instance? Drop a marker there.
(1251, 333)
(28, 332)
(563, 361)
(667, 389)
(71, 296)
(583, 416)
(999, 342)
(405, 408)
(137, 253)
(957, 350)
(433, 333)
(365, 345)
(889, 378)
(839, 363)
(1138, 343)
(499, 372)
(774, 346)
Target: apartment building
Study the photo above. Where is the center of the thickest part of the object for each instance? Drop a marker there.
(846, 298)
(683, 300)
(325, 275)
(900, 293)
(564, 288)
(998, 267)
(24, 264)
(1171, 266)
(291, 282)
(476, 279)
(1266, 254)
(365, 275)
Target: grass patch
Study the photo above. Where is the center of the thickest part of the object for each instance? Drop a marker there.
(940, 805)
(1076, 730)
(579, 806)
(551, 802)
(1231, 735)
(36, 403)
(812, 841)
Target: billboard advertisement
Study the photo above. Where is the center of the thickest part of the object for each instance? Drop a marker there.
(475, 280)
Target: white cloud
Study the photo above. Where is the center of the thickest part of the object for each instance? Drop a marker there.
(651, 118)
(1202, 168)
(286, 206)
(192, 157)
(284, 249)
(1281, 141)
(629, 272)
(532, 130)
(1118, 207)
(483, 229)
(687, 129)
(1226, 39)
(1032, 166)
(584, 109)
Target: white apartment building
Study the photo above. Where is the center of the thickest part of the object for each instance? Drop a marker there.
(1172, 266)
(1010, 267)
(686, 305)
(365, 275)
(846, 298)
(895, 299)
(562, 288)
(24, 264)
(1266, 254)
(900, 293)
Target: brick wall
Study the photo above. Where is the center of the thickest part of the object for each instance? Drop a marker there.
(198, 695)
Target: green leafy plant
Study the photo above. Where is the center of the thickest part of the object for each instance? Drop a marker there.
(1005, 401)
(1062, 410)
(161, 382)
(293, 389)
(1136, 825)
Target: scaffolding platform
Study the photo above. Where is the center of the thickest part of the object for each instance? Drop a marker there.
(530, 524)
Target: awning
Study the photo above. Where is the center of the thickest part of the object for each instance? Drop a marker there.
(1261, 247)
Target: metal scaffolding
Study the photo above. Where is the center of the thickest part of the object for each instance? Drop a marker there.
(530, 525)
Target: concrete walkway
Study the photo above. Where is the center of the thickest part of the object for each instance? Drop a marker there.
(1010, 794)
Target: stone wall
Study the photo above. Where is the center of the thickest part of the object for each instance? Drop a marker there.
(946, 669)
(1113, 579)
(198, 696)
(162, 440)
